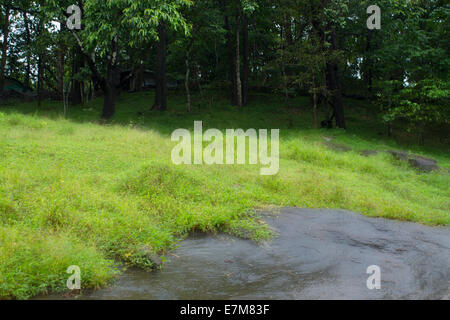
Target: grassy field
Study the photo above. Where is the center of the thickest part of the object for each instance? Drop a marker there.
(74, 192)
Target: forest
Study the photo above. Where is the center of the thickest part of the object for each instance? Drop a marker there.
(318, 48)
(91, 90)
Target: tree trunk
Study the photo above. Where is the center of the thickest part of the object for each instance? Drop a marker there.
(109, 104)
(334, 87)
(238, 67)
(315, 113)
(195, 78)
(41, 65)
(231, 61)
(325, 98)
(283, 44)
(186, 84)
(316, 116)
(246, 61)
(110, 89)
(112, 83)
(368, 73)
(39, 79)
(4, 49)
(161, 80)
(78, 63)
(28, 42)
(138, 78)
(283, 73)
(61, 56)
(336, 96)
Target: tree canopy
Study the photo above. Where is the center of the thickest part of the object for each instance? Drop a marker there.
(321, 48)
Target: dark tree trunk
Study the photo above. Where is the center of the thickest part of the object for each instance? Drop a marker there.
(61, 59)
(238, 66)
(314, 103)
(28, 42)
(315, 113)
(40, 66)
(246, 60)
(138, 78)
(186, 83)
(197, 81)
(112, 83)
(195, 73)
(39, 79)
(389, 129)
(111, 88)
(61, 64)
(161, 80)
(368, 66)
(78, 63)
(231, 61)
(336, 96)
(4, 48)
(283, 68)
(109, 105)
(334, 86)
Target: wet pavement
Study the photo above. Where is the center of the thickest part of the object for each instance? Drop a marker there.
(318, 254)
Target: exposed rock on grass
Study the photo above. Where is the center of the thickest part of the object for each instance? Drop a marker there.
(423, 164)
(368, 153)
(400, 155)
(418, 162)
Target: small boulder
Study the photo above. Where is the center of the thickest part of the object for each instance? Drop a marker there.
(368, 153)
(423, 164)
(425, 159)
(418, 162)
(400, 155)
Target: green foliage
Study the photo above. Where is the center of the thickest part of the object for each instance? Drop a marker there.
(423, 104)
(33, 262)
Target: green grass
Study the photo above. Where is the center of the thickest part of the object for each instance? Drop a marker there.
(73, 192)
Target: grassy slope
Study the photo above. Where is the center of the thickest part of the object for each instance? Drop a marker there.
(73, 192)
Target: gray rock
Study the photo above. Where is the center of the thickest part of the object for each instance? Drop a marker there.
(368, 153)
(418, 162)
(318, 254)
(423, 164)
(426, 159)
(400, 155)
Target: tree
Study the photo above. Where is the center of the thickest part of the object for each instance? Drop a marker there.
(112, 27)
(6, 15)
(161, 80)
(414, 66)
